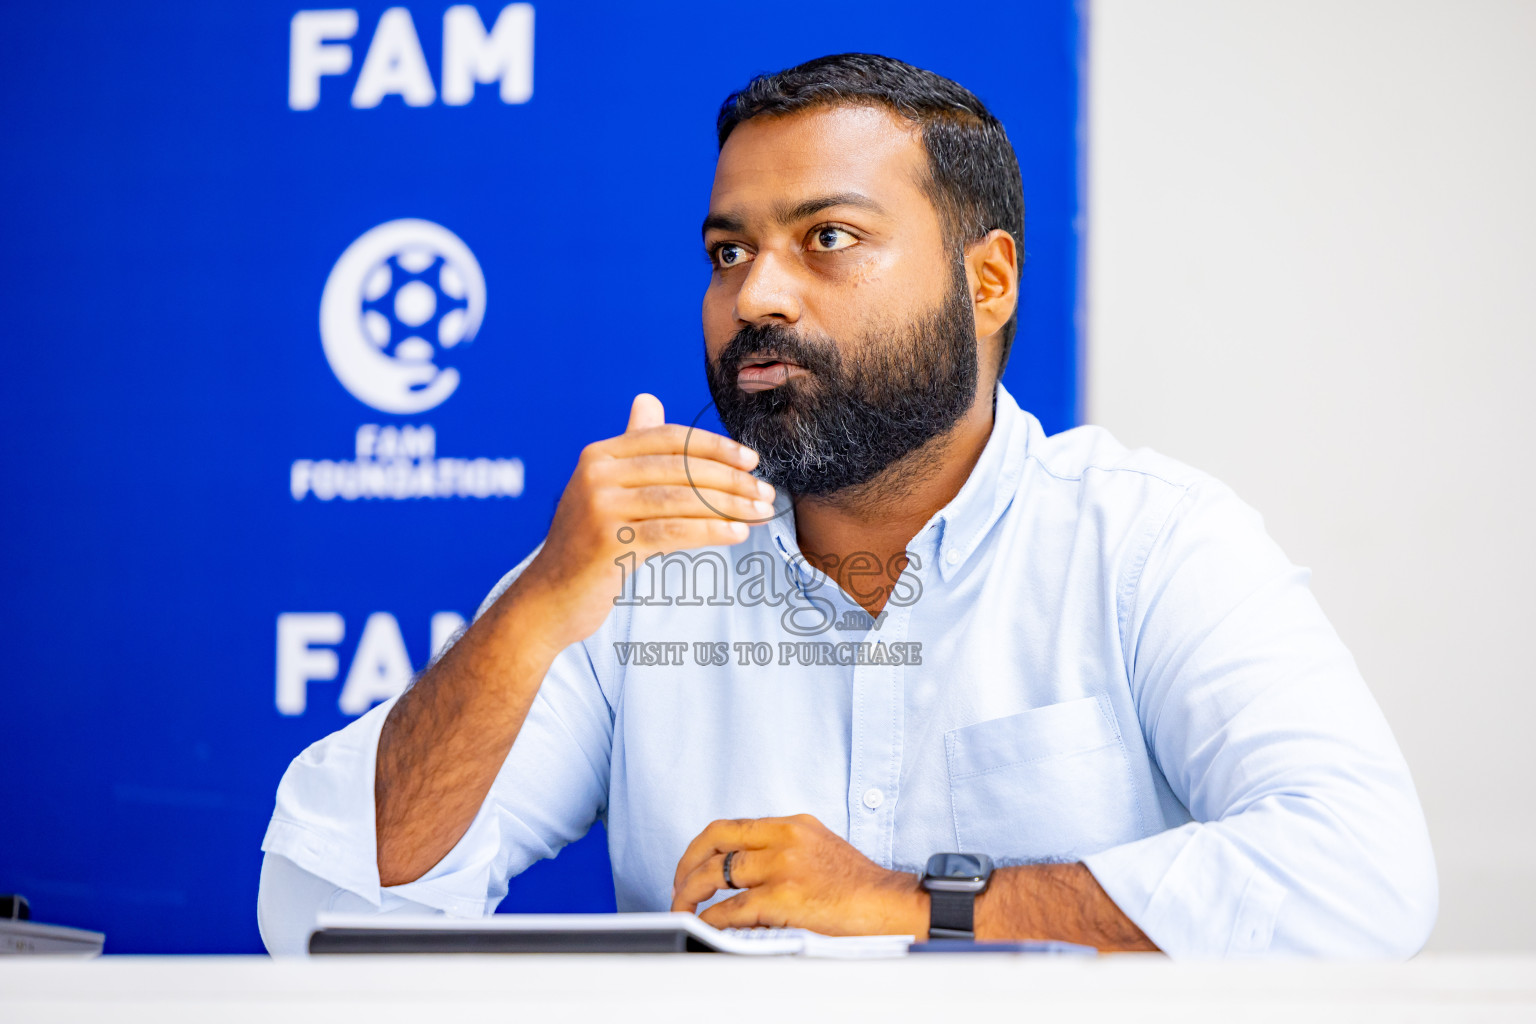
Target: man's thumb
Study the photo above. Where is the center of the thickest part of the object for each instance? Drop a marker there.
(646, 412)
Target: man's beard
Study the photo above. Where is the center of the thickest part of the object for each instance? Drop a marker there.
(852, 415)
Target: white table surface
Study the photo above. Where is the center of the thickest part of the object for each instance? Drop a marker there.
(711, 988)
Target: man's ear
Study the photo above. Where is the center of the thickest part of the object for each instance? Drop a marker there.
(992, 273)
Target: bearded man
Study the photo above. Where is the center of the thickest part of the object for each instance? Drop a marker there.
(888, 659)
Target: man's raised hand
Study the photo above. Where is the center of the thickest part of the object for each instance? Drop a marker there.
(638, 491)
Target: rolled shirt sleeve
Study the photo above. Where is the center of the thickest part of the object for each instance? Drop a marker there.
(548, 792)
(1308, 835)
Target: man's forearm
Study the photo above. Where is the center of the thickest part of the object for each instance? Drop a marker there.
(1055, 901)
(448, 735)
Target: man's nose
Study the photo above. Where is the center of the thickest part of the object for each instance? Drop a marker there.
(768, 294)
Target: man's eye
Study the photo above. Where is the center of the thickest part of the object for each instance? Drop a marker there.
(831, 239)
(729, 255)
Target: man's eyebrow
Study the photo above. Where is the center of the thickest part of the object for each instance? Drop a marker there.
(789, 213)
(723, 222)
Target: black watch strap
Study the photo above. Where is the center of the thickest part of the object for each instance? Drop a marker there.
(951, 915)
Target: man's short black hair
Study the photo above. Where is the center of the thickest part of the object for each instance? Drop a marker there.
(973, 173)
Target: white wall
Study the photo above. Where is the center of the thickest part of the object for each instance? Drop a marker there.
(1311, 271)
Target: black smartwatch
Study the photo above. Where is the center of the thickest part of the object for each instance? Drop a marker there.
(953, 881)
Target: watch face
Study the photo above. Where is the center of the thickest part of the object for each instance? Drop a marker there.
(960, 867)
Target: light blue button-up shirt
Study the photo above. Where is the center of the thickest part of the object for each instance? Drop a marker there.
(1095, 654)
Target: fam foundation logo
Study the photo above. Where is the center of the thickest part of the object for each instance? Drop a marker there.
(398, 306)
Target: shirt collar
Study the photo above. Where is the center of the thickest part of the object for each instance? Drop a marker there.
(964, 522)
(990, 488)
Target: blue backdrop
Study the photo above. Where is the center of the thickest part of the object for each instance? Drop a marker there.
(190, 557)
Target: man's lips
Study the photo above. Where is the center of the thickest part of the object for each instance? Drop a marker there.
(765, 374)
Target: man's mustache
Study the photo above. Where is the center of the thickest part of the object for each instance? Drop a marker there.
(751, 344)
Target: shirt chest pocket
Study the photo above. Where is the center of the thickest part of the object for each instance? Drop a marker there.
(1050, 783)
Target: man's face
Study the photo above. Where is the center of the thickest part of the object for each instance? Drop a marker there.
(838, 330)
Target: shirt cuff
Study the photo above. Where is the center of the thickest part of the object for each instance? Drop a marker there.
(324, 824)
(1192, 891)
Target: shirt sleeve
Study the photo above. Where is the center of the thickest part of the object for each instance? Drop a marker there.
(551, 788)
(1308, 835)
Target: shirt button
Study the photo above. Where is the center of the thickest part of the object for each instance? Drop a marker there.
(951, 556)
(873, 798)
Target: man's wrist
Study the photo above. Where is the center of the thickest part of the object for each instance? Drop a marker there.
(910, 907)
(526, 620)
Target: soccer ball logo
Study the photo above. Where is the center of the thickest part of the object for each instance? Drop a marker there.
(397, 301)
(413, 305)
